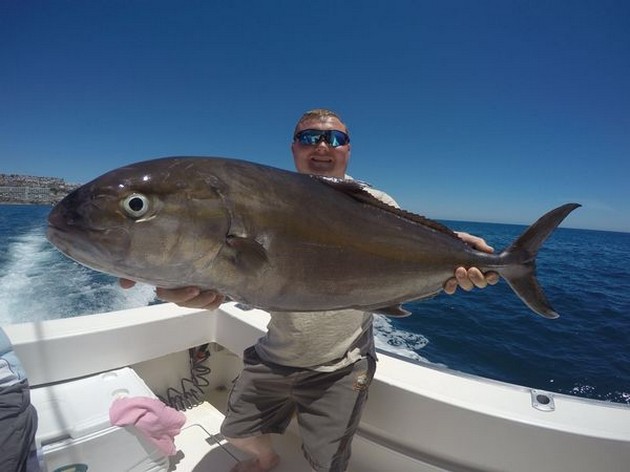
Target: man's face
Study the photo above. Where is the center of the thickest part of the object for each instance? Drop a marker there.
(321, 158)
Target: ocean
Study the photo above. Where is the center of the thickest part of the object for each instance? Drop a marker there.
(490, 333)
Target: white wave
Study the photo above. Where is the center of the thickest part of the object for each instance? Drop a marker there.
(400, 342)
(39, 283)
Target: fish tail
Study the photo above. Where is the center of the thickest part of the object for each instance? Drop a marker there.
(520, 268)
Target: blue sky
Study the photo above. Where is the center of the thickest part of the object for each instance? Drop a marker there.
(470, 110)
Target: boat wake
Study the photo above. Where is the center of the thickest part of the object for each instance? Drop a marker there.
(396, 341)
(38, 283)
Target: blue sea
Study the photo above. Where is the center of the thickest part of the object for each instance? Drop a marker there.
(585, 274)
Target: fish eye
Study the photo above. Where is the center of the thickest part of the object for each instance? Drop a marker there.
(136, 205)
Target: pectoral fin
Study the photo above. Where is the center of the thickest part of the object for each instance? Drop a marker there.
(246, 254)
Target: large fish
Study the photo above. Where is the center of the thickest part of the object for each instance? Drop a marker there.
(275, 239)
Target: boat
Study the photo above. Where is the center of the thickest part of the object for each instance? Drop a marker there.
(419, 417)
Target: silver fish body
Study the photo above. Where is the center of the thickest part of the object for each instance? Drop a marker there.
(275, 239)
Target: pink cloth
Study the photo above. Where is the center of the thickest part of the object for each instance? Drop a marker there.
(158, 422)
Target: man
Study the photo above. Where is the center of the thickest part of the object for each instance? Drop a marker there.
(316, 365)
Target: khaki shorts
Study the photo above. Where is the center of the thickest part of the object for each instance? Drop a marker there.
(328, 406)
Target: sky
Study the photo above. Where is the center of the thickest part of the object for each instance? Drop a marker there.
(492, 111)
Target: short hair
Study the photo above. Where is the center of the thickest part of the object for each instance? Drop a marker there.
(319, 114)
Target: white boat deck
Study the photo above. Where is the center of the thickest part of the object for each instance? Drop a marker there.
(201, 447)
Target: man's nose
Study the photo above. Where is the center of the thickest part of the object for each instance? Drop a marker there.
(322, 143)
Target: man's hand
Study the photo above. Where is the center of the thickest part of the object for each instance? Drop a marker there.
(189, 297)
(473, 277)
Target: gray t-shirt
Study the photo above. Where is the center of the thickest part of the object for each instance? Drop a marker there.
(322, 341)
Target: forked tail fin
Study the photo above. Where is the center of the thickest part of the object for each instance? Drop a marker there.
(520, 257)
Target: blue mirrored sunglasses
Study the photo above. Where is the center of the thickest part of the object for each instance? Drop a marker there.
(311, 137)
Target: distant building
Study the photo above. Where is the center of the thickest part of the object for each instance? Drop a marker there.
(29, 189)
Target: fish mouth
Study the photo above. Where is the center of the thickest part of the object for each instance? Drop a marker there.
(59, 231)
(92, 251)
(57, 236)
(84, 243)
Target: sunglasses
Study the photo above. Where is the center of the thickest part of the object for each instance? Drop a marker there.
(311, 137)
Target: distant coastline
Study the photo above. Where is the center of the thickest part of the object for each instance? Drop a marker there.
(33, 190)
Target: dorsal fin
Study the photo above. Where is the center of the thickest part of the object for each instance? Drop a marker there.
(357, 190)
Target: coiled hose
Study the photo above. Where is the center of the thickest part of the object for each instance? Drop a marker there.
(192, 389)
